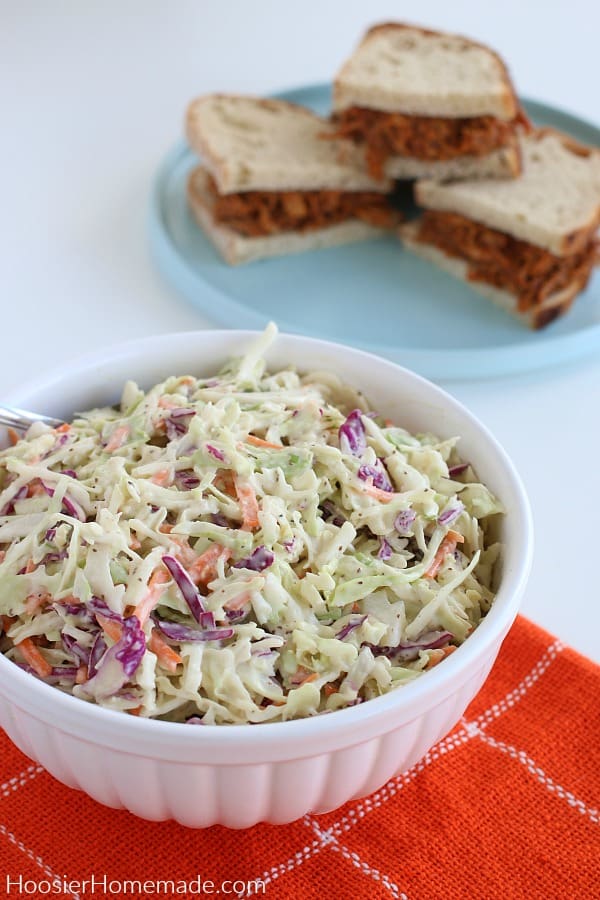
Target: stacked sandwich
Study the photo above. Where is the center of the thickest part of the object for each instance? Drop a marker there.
(271, 185)
(512, 210)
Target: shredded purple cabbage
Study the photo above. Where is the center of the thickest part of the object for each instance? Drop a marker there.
(97, 651)
(73, 647)
(119, 662)
(190, 592)
(220, 519)
(451, 513)
(70, 472)
(259, 560)
(53, 557)
(332, 513)
(345, 631)
(352, 435)
(73, 508)
(458, 470)
(9, 507)
(186, 479)
(214, 451)
(385, 549)
(409, 650)
(404, 521)
(177, 632)
(100, 607)
(380, 477)
(207, 620)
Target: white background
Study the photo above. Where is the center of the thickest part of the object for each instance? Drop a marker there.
(92, 96)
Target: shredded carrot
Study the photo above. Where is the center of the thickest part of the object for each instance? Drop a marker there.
(35, 601)
(2, 555)
(155, 588)
(237, 602)
(134, 542)
(439, 654)
(356, 607)
(32, 655)
(63, 429)
(224, 481)
(7, 621)
(447, 546)
(204, 568)
(110, 627)
(167, 657)
(117, 438)
(166, 402)
(309, 678)
(388, 423)
(135, 710)
(377, 493)
(259, 442)
(35, 488)
(300, 675)
(248, 505)
(329, 689)
(13, 436)
(82, 674)
(30, 567)
(162, 477)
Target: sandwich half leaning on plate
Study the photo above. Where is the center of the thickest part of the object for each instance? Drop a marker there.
(529, 244)
(422, 103)
(269, 184)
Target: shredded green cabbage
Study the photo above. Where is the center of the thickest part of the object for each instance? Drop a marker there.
(314, 588)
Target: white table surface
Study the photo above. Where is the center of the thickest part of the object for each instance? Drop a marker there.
(92, 96)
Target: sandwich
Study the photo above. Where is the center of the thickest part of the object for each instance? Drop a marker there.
(422, 104)
(269, 184)
(530, 243)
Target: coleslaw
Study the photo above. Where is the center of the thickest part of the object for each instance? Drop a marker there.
(254, 546)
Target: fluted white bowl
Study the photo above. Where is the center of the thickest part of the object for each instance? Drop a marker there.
(237, 775)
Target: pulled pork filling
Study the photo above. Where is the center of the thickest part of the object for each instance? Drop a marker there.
(429, 138)
(257, 213)
(530, 273)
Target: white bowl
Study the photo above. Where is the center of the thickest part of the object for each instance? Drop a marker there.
(237, 775)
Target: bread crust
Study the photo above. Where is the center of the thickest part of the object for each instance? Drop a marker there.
(237, 249)
(509, 101)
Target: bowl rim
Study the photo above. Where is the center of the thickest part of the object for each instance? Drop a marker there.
(112, 728)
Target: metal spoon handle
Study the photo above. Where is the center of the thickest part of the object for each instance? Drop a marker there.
(21, 419)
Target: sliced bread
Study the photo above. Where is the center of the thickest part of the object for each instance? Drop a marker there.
(401, 68)
(235, 248)
(554, 306)
(555, 204)
(271, 145)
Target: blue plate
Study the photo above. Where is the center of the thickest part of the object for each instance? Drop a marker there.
(371, 295)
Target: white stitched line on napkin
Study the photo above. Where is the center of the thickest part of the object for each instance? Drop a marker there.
(519, 692)
(548, 782)
(354, 858)
(36, 859)
(374, 801)
(281, 868)
(469, 730)
(13, 784)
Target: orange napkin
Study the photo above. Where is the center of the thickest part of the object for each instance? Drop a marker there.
(506, 806)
